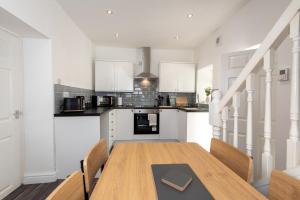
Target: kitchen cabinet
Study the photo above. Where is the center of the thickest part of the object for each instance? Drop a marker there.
(168, 124)
(113, 76)
(124, 123)
(182, 126)
(177, 77)
(74, 137)
(117, 125)
(195, 127)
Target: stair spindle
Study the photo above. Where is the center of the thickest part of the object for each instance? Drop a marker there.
(224, 120)
(236, 106)
(267, 158)
(293, 142)
(250, 91)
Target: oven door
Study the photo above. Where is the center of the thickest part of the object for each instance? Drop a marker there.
(141, 124)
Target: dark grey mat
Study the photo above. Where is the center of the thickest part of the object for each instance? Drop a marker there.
(195, 191)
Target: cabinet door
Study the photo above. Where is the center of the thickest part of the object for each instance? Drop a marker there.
(124, 124)
(104, 76)
(186, 77)
(124, 76)
(182, 126)
(168, 77)
(168, 124)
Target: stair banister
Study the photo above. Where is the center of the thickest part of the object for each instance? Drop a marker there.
(293, 144)
(275, 37)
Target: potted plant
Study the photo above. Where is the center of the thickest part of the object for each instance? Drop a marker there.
(208, 93)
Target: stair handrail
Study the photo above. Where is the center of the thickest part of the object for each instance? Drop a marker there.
(274, 38)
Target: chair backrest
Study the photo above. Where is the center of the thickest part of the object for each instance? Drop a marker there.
(236, 160)
(93, 161)
(69, 189)
(282, 186)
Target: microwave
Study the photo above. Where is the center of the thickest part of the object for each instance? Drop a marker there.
(103, 101)
(75, 104)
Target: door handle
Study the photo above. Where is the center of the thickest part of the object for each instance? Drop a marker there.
(17, 114)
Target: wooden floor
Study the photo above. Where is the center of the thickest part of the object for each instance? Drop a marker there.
(35, 191)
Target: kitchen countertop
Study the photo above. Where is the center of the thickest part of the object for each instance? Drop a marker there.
(101, 110)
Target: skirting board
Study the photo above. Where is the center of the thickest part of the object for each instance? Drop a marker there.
(39, 178)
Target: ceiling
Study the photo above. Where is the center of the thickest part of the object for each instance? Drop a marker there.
(154, 23)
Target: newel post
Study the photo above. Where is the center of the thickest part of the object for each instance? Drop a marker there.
(293, 144)
(214, 115)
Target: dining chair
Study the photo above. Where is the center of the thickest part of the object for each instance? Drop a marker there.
(282, 186)
(69, 189)
(93, 162)
(236, 160)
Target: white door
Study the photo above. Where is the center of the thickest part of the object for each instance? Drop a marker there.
(186, 74)
(168, 77)
(104, 76)
(10, 124)
(124, 76)
(233, 64)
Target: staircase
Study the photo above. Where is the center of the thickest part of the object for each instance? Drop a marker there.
(288, 25)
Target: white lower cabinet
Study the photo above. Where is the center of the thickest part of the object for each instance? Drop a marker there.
(117, 125)
(182, 126)
(124, 123)
(74, 137)
(195, 127)
(168, 124)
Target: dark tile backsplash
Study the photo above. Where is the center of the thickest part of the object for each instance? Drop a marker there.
(145, 94)
(73, 91)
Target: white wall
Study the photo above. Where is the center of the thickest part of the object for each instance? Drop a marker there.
(72, 50)
(248, 27)
(157, 55)
(38, 111)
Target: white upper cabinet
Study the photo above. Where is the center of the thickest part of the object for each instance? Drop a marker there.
(104, 76)
(186, 77)
(124, 76)
(113, 76)
(177, 77)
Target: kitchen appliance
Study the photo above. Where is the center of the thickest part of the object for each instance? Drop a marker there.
(120, 101)
(82, 101)
(145, 64)
(103, 101)
(73, 105)
(146, 121)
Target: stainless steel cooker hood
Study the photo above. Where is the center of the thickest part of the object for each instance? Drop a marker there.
(145, 64)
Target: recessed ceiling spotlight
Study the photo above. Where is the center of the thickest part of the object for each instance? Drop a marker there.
(190, 15)
(109, 12)
(116, 35)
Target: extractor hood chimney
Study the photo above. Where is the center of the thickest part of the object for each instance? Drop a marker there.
(145, 64)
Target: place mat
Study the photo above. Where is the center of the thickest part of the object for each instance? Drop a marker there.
(195, 191)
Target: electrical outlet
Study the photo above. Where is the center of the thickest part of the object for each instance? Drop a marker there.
(66, 94)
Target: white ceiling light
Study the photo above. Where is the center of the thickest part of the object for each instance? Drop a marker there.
(109, 12)
(190, 15)
(116, 35)
(176, 37)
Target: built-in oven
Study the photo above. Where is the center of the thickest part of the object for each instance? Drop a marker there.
(146, 121)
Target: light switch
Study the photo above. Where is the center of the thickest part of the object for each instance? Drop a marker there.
(66, 94)
(283, 74)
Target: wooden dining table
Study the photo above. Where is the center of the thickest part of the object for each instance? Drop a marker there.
(128, 176)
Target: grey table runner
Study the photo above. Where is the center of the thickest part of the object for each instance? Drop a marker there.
(195, 191)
